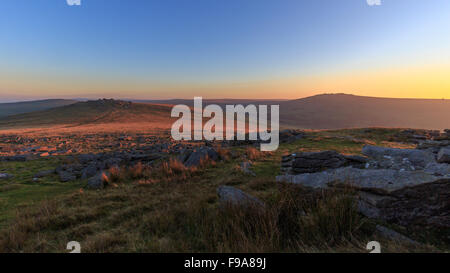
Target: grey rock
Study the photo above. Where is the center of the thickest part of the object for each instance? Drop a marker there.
(44, 173)
(245, 167)
(197, 156)
(377, 180)
(433, 144)
(184, 155)
(144, 157)
(86, 158)
(65, 176)
(96, 182)
(232, 196)
(89, 171)
(5, 176)
(444, 155)
(356, 159)
(290, 135)
(417, 158)
(18, 158)
(320, 161)
(438, 169)
(394, 235)
(111, 162)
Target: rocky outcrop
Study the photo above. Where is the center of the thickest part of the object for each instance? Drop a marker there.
(391, 158)
(416, 135)
(375, 180)
(409, 187)
(320, 161)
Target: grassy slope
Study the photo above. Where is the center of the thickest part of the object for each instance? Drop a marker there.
(8, 109)
(90, 112)
(22, 191)
(182, 216)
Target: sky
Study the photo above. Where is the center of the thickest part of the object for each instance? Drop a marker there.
(265, 49)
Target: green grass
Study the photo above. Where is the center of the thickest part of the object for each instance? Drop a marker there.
(179, 213)
(20, 191)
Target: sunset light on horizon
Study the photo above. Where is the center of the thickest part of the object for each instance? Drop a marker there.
(241, 49)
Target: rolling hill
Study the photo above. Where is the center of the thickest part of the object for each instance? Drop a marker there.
(8, 109)
(327, 111)
(334, 111)
(91, 112)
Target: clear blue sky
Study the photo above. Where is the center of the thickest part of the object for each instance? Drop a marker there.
(172, 48)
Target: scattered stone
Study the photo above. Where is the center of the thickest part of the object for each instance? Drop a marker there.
(111, 162)
(97, 181)
(444, 155)
(245, 168)
(44, 173)
(4, 176)
(66, 176)
(433, 144)
(291, 135)
(196, 157)
(86, 158)
(232, 196)
(18, 158)
(89, 171)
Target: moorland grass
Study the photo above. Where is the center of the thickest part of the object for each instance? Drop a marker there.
(171, 208)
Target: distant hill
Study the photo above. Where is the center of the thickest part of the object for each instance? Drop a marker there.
(220, 102)
(333, 111)
(327, 111)
(90, 112)
(8, 109)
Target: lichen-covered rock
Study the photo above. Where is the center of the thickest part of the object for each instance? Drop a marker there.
(418, 159)
(376, 180)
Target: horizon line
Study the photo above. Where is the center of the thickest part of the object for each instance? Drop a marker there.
(4, 101)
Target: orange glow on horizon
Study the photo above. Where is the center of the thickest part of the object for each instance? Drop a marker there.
(427, 82)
